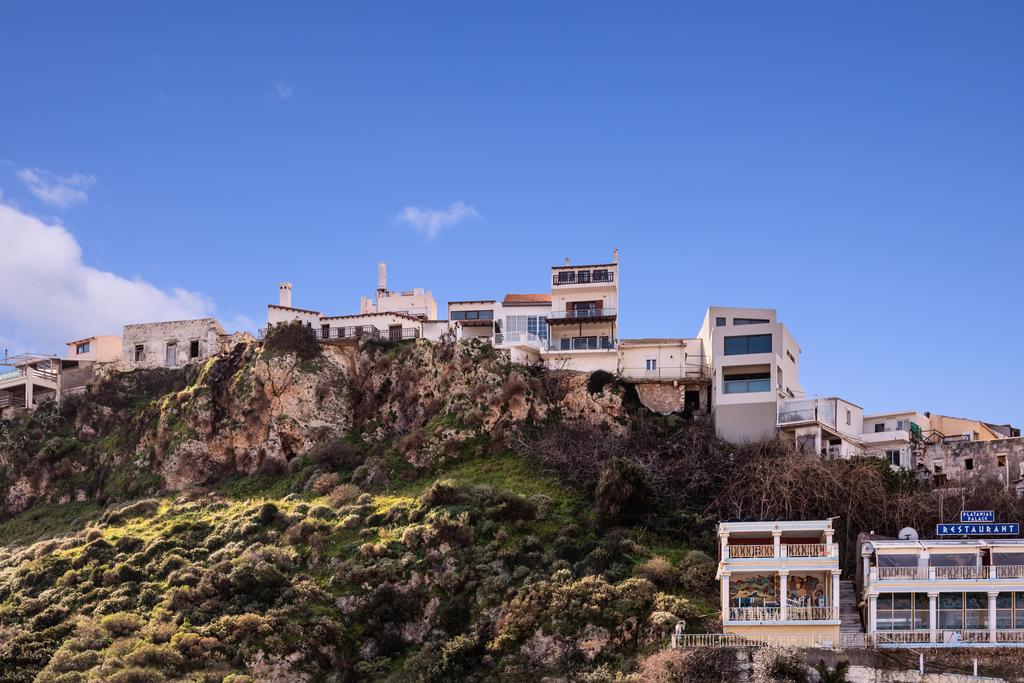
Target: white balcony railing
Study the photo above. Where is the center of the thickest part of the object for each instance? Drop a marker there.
(902, 573)
(961, 572)
(775, 613)
(751, 551)
(755, 613)
(812, 613)
(519, 339)
(807, 550)
(1009, 571)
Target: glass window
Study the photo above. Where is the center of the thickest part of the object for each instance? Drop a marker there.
(458, 315)
(748, 321)
(953, 560)
(82, 348)
(749, 343)
(719, 322)
(139, 352)
(652, 364)
(894, 560)
(747, 383)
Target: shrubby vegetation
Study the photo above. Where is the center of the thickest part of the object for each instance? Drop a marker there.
(418, 545)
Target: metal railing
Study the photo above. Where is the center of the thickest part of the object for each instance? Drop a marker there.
(685, 371)
(821, 410)
(751, 551)
(48, 375)
(581, 314)
(7, 400)
(582, 277)
(357, 332)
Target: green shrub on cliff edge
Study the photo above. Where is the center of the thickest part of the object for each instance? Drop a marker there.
(294, 338)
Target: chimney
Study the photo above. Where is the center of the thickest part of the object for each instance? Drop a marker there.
(615, 255)
(566, 261)
(382, 277)
(286, 294)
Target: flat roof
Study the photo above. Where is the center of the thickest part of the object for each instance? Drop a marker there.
(472, 301)
(657, 340)
(292, 308)
(781, 525)
(526, 299)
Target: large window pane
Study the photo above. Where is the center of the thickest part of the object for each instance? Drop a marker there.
(977, 618)
(951, 619)
(951, 600)
(901, 600)
(748, 343)
(953, 560)
(976, 601)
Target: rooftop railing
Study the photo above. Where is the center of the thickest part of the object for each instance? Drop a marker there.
(965, 573)
(582, 277)
(358, 332)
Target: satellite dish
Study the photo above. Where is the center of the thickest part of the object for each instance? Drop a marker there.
(908, 534)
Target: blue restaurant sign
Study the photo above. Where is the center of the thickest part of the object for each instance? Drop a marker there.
(977, 516)
(978, 529)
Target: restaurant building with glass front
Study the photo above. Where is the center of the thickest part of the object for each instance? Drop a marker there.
(945, 592)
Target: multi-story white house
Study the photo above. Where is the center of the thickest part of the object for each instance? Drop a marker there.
(779, 578)
(388, 315)
(943, 592)
(583, 321)
(754, 364)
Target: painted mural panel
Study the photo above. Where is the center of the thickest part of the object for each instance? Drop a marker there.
(762, 590)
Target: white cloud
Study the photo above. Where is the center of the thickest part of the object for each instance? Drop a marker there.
(283, 90)
(57, 190)
(48, 296)
(431, 222)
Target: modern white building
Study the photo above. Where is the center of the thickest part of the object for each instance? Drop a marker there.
(754, 364)
(947, 592)
(779, 578)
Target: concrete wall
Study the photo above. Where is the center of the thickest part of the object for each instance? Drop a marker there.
(277, 315)
(582, 361)
(155, 338)
(745, 421)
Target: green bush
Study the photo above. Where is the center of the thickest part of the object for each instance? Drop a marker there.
(121, 623)
(293, 338)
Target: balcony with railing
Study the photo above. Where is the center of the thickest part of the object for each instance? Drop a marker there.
(684, 371)
(996, 572)
(583, 276)
(527, 339)
(782, 551)
(804, 410)
(18, 375)
(580, 314)
(792, 613)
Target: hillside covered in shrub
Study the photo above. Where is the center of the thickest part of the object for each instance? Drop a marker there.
(388, 511)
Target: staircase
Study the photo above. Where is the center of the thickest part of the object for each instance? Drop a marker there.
(849, 615)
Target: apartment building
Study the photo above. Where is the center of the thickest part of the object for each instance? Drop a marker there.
(830, 426)
(583, 321)
(779, 578)
(29, 379)
(942, 592)
(754, 363)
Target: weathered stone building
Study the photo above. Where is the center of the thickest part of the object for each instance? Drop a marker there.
(172, 344)
(1000, 457)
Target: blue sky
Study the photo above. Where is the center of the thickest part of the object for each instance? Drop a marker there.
(859, 167)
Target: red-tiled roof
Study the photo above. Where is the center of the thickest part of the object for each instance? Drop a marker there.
(512, 299)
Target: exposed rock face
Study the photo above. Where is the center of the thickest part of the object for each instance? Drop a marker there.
(253, 410)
